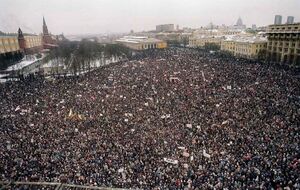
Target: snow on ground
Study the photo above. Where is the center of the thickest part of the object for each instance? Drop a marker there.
(3, 75)
(52, 64)
(27, 60)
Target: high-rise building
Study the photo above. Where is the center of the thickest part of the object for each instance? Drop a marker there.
(290, 20)
(239, 22)
(284, 43)
(278, 19)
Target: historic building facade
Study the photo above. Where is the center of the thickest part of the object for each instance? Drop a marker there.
(205, 40)
(250, 48)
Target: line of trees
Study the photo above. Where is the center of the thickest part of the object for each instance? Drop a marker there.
(9, 58)
(80, 56)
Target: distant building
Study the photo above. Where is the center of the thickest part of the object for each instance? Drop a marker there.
(239, 24)
(254, 27)
(249, 47)
(278, 19)
(142, 43)
(165, 28)
(201, 41)
(284, 43)
(290, 20)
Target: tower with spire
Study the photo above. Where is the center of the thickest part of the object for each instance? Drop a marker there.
(48, 41)
(45, 28)
(21, 40)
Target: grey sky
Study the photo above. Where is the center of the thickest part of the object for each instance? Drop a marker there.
(102, 16)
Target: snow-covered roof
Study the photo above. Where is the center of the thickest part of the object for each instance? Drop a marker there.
(253, 39)
(137, 39)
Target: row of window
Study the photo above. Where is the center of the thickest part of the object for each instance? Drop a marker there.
(149, 46)
(243, 50)
(285, 50)
(285, 28)
(293, 44)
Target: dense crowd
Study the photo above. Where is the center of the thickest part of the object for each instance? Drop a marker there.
(168, 119)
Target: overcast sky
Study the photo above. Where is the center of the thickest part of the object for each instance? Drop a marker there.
(106, 16)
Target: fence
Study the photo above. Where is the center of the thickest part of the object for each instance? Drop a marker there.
(9, 185)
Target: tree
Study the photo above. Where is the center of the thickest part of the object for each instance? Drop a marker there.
(80, 56)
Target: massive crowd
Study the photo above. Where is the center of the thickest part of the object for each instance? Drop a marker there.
(168, 119)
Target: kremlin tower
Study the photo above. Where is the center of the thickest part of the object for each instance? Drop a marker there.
(48, 41)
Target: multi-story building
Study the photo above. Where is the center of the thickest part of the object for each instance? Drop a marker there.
(201, 41)
(165, 28)
(142, 43)
(284, 43)
(239, 24)
(250, 48)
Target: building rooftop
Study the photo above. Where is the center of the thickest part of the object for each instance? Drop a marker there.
(246, 39)
(138, 39)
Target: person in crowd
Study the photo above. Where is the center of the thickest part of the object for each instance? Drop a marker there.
(166, 119)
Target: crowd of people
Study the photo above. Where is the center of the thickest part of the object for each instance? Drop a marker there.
(167, 119)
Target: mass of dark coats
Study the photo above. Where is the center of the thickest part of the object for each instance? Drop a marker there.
(167, 119)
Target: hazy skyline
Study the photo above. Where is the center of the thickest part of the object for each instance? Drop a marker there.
(113, 16)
